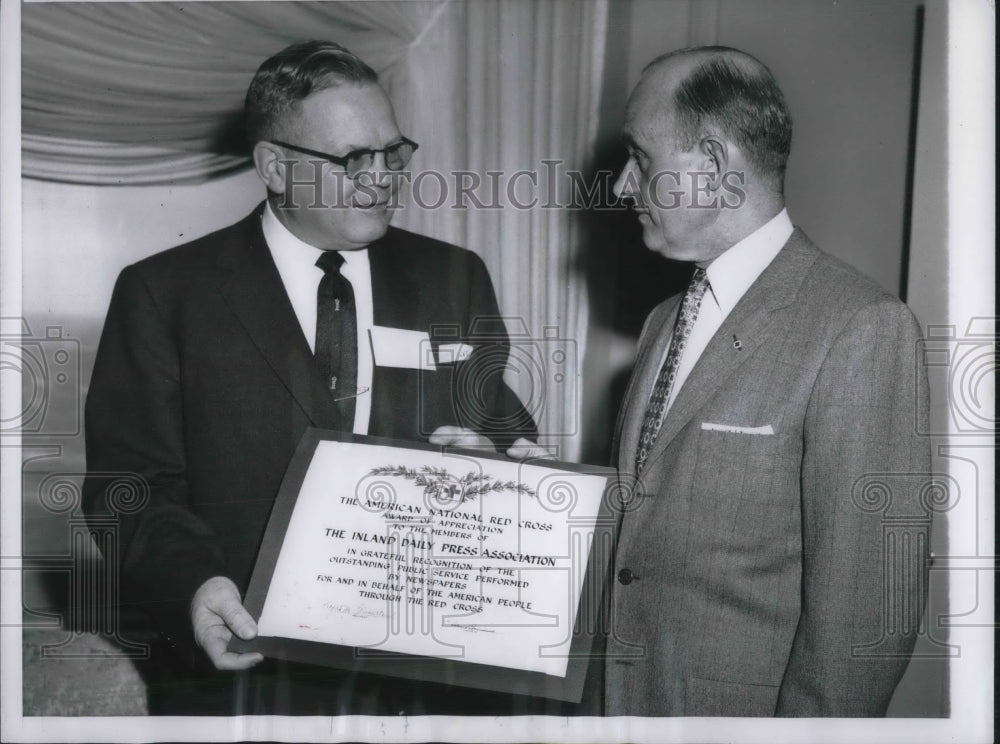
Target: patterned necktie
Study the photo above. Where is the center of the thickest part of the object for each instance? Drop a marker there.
(657, 406)
(337, 336)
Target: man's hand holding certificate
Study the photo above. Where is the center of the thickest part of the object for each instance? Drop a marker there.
(430, 563)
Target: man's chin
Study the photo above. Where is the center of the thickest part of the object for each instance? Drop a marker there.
(654, 241)
(668, 250)
(370, 226)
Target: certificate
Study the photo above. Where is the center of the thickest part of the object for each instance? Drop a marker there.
(434, 564)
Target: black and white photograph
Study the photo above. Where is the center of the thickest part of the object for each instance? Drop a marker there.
(497, 370)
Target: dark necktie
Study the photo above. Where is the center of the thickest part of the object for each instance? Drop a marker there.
(337, 336)
(657, 406)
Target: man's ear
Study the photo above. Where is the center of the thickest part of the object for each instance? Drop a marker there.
(715, 157)
(267, 159)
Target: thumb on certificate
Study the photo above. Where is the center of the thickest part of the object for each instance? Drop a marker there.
(456, 436)
(525, 449)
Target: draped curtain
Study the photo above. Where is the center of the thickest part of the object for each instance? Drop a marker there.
(514, 87)
(149, 92)
(146, 93)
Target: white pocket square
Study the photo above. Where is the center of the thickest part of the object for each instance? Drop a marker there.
(759, 430)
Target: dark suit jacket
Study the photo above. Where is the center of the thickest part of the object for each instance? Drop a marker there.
(204, 384)
(760, 561)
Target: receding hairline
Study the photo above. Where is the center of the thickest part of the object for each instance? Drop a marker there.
(698, 56)
(654, 94)
(673, 69)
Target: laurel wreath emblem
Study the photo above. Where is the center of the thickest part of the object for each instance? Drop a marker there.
(438, 481)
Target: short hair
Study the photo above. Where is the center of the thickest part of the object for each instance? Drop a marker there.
(285, 79)
(736, 93)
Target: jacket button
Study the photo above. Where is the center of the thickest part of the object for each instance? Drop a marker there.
(625, 576)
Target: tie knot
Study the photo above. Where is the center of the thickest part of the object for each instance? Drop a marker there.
(330, 261)
(692, 297)
(697, 287)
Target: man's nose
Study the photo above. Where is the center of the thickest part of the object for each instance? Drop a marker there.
(381, 175)
(625, 183)
(376, 181)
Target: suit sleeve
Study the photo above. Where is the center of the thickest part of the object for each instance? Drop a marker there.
(861, 426)
(134, 428)
(483, 398)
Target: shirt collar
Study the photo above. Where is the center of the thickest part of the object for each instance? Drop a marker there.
(286, 248)
(731, 274)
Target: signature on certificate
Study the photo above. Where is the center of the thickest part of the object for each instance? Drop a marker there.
(471, 628)
(360, 611)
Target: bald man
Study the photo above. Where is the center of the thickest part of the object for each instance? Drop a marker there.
(750, 570)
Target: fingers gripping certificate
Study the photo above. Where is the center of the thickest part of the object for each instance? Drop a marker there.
(433, 564)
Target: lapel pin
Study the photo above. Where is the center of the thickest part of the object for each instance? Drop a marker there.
(736, 343)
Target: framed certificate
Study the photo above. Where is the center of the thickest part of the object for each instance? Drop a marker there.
(434, 564)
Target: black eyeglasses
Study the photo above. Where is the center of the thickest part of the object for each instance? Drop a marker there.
(397, 155)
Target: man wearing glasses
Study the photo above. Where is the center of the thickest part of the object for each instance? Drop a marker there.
(216, 356)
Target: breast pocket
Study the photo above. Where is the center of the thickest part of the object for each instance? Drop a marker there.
(758, 466)
(745, 489)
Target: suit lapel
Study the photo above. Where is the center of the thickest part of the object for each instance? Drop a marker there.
(395, 293)
(253, 290)
(752, 323)
(652, 347)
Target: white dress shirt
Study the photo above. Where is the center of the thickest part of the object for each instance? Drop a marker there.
(296, 262)
(729, 277)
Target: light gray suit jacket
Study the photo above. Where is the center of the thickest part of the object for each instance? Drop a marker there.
(756, 573)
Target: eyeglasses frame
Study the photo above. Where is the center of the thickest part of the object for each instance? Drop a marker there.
(343, 160)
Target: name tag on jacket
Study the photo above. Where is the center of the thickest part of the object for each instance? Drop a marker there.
(398, 347)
